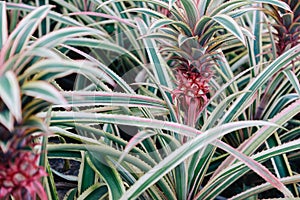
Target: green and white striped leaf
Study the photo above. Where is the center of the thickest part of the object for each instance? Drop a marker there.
(147, 11)
(293, 79)
(191, 11)
(26, 27)
(103, 15)
(135, 140)
(163, 22)
(36, 15)
(230, 25)
(3, 24)
(43, 90)
(280, 4)
(280, 104)
(219, 111)
(159, 66)
(182, 153)
(71, 194)
(233, 172)
(86, 176)
(220, 7)
(90, 98)
(96, 191)
(171, 3)
(95, 118)
(265, 187)
(110, 137)
(107, 170)
(7, 119)
(54, 67)
(201, 25)
(72, 8)
(255, 141)
(10, 94)
(261, 170)
(64, 176)
(241, 103)
(53, 15)
(155, 58)
(59, 36)
(72, 151)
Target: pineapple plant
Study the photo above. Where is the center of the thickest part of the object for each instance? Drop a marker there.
(286, 26)
(195, 32)
(285, 34)
(30, 64)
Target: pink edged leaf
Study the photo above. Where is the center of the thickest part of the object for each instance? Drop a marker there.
(10, 94)
(3, 24)
(184, 152)
(118, 19)
(45, 91)
(20, 36)
(293, 79)
(81, 98)
(251, 144)
(265, 187)
(7, 120)
(231, 26)
(136, 139)
(261, 170)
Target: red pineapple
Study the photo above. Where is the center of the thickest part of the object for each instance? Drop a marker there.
(192, 89)
(20, 173)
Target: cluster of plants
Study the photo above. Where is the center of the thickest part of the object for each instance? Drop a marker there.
(157, 99)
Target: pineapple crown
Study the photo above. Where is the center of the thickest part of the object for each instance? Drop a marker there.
(286, 25)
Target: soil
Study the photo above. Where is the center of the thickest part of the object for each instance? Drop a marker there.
(70, 167)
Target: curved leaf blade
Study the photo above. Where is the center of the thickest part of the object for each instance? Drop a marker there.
(43, 90)
(183, 153)
(10, 94)
(261, 170)
(230, 25)
(108, 171)
(265, 187)
(280, 4)
(233, 172)
(53, 15)
(96, 191)
(83, 98)
(243, 101)
(293, 79)
(3, 24)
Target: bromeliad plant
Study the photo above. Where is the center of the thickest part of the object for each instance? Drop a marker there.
(192, 107)
(284, 36)
(29, 65)
(286, 26)
(188, 31)
(194, 32)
